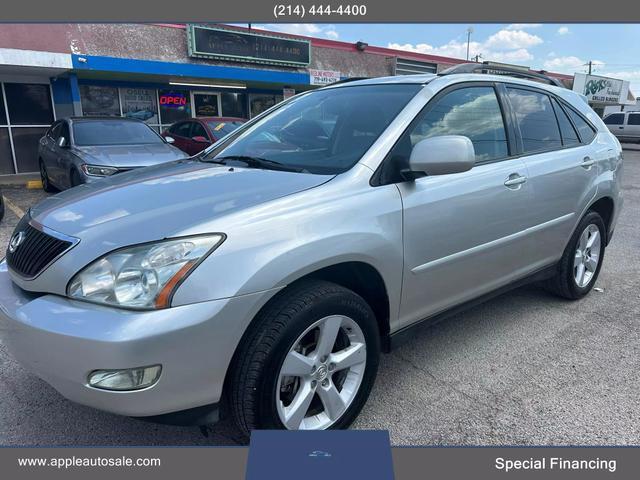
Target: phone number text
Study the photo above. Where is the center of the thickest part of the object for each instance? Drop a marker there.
(352, 10)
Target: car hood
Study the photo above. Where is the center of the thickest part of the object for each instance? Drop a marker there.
(126, 156)
(163, 201)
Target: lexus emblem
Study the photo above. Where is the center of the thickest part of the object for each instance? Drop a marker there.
(16, 241)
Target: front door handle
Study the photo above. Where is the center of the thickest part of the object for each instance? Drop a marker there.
(514, 181)
(587, 163)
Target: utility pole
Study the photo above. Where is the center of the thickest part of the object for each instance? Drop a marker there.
(469, 32)
(590, 63)
(477, 58)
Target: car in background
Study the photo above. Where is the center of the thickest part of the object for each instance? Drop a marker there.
(624, 125)
(78, 150)
(194, 135)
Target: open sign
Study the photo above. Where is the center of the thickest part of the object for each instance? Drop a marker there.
(173, 100)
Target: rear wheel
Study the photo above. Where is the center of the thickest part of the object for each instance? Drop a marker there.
(309, 362)
(580, 265)
(44, 177)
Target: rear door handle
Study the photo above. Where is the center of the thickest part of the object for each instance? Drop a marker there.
(587, 163)
(514, 181)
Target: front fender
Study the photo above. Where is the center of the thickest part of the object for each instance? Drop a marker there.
(273, 245)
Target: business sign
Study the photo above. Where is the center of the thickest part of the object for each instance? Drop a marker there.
(602, 90)
(173, 99)
(323, 77)
(222, 44)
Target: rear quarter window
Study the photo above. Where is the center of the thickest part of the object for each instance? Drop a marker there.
(586, 131)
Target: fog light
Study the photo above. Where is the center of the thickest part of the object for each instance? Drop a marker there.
(129, 379)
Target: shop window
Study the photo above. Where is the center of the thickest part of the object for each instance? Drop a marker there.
(206, 105)
(175, 105)
(140, 103)
(3, 115)
(234, 105)
(99, 101)
(260, 103)
(25, 142)
(6, 160)
(29, 103)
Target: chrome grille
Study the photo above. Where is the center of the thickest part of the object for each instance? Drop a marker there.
(37, 250)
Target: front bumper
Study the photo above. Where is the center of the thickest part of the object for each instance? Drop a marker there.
(62, 341)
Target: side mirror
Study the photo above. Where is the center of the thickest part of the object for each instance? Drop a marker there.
(200, 139)
(62, 142)
(169, 140)
(442, 155)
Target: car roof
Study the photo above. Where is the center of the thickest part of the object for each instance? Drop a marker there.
(221, 119)
(94, 118)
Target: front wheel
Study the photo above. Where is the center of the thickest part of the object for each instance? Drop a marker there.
(309, 362)
(44, 177)
(582, 259)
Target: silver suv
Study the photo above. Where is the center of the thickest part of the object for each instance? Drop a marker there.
(264, 277)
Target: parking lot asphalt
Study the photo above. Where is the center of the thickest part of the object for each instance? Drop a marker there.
(525, 368)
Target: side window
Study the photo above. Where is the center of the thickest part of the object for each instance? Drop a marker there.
(182, 129)
(614, 119)
(54, 131)
(536, 120)
(634, 119)
(472, 111)
(569, 134)
(198, 131)
(585, 130)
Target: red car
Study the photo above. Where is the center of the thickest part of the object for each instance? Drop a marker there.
(196, 134)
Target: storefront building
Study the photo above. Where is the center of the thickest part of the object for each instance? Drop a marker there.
(162, 73)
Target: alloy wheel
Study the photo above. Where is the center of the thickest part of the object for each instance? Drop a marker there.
(587, 255)
(321, 374)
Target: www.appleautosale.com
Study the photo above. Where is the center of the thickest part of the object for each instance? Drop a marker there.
(555, 463)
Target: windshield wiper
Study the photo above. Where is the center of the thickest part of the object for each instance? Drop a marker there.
(257, 162)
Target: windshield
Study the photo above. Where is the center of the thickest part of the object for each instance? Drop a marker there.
(323, 132)
(220, 129)
(113, 132)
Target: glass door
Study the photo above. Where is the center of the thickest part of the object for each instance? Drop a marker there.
(206, 104)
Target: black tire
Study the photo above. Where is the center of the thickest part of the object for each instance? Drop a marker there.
(44, 177)
(563, 283)
(253, 381)
(1, 206)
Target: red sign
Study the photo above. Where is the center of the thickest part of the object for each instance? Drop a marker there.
(173, 100)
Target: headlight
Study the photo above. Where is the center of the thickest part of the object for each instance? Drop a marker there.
(143, 276)
(98, 171)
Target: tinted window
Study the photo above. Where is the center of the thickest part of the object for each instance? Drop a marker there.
(105, 132)
(473, 112)
(54, 131)
(614, 119)
(585, 130)
(536, 119)
(220, 129)
(198, 131)
(182, 129)
(294, 134)
(29, 104)
(634, 119)
(569, 134)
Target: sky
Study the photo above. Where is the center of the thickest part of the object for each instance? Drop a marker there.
(614, 49)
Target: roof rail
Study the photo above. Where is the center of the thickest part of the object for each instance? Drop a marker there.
(486, 67)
